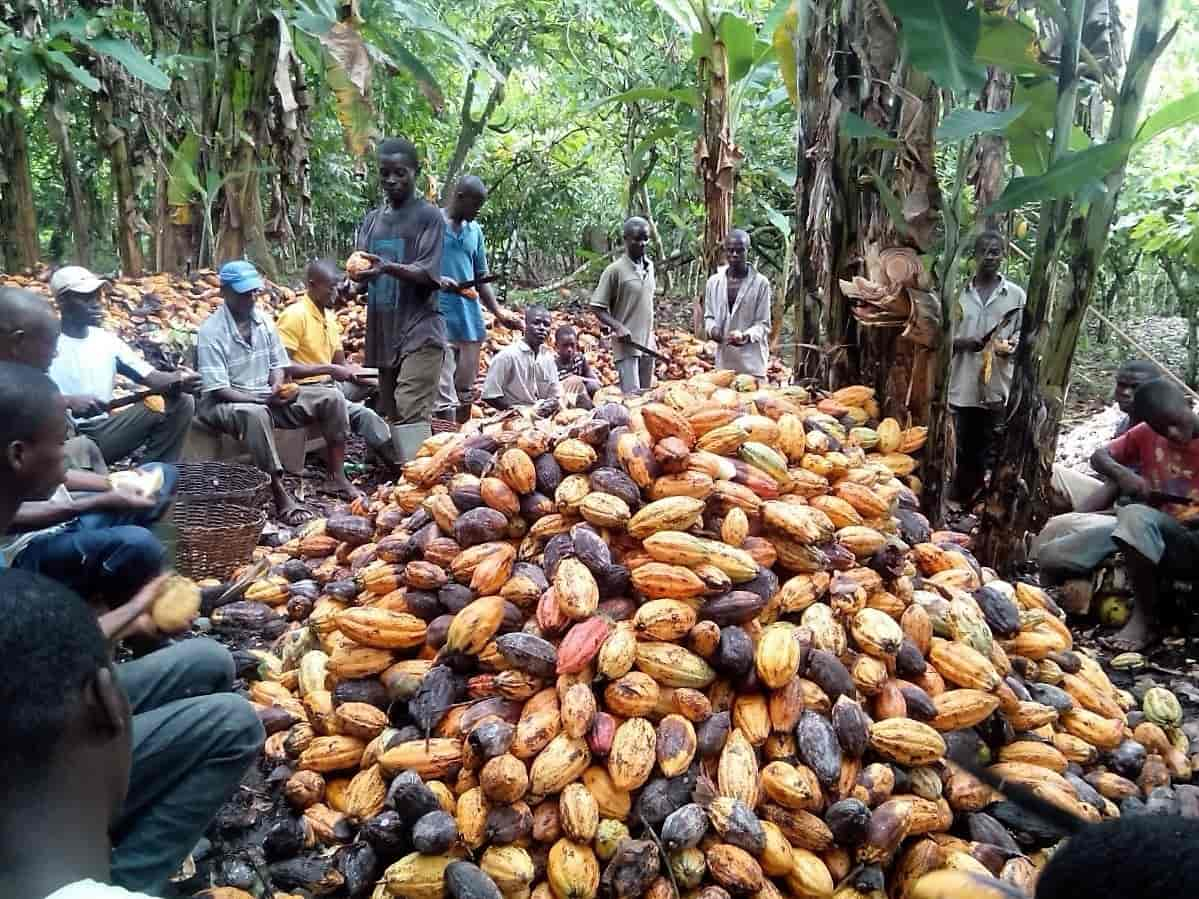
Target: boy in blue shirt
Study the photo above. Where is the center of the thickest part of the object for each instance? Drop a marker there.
(464, 259)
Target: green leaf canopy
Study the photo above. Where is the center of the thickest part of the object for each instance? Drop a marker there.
(941, 37)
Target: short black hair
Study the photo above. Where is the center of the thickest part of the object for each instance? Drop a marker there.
(471, 184)
(400, 146)
(1142, 368)
(1153, 398)
(535, 307)
(323, 265)
(634, 221)
(565, 331)
(26, 403)
(1130, 857)
(50, 648)
(989, 234)
(19, 308)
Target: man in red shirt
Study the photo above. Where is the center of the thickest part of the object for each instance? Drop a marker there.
(1162, 537)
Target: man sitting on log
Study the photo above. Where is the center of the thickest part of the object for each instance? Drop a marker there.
(1065, 548)
(1156, 464)
(737, 311)
(312, 338)
(242, 364)
(29, 336)
(85, 369)
(578, 381)
(79, 808)
(524, 372)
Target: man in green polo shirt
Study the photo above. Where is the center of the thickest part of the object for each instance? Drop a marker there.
(624, 302)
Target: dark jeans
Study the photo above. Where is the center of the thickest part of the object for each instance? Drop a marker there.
(193, 740)
(976, 432)
(105, 554)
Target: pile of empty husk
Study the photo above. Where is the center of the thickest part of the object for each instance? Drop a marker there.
(699, 643)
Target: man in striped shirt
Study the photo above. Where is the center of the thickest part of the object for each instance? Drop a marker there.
(242, 366)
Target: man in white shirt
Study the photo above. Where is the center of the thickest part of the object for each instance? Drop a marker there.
(524, 373)
(986, 327)
(85, 368)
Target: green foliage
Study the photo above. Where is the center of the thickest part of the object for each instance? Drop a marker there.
(941, 37)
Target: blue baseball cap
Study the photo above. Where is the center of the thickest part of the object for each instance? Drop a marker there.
(242, 276)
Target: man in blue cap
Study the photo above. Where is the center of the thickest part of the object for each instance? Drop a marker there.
(242, 366)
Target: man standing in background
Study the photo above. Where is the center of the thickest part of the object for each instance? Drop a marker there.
(463, 259)
(624, 302)
(737, 311)
(405, 330)
(986, 327)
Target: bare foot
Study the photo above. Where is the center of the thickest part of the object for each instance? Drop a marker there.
(1135, 636)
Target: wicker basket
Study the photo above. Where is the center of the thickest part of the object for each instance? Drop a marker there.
(214, 538)
(441, 426)
(222, 482)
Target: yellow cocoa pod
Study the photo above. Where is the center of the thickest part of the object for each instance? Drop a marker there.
(474, 626)
(633, 753)
(676, 513)
(658, 580)
(906, 741)
(576, 589)
(572, 871)
(605, 510)
(381, 628)
(777, 655)
(417, 876)
(578, 813)
(176, 604)
(560, 763)
(673, 666)
(735, 528)
(335, 753)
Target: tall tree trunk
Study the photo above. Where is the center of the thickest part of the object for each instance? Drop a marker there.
(469, 127)
(243, 225)
(113, 139)
(716, 155)
(819, 201)
(1019, 492)
(57, 123)
(18, 233)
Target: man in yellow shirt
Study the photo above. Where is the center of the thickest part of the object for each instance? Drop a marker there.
(309, 331)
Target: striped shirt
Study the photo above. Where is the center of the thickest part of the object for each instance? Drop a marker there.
(226, 359)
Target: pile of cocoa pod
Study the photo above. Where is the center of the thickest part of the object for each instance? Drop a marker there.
(700, 643)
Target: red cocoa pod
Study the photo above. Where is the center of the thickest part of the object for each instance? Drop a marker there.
(599, 737)
(550, 617)
(581, 644)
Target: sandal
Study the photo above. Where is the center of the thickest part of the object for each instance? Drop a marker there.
(295, 516)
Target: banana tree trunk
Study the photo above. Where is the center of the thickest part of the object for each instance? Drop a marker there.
(819, 201)
(18, 235)
(112, 138)
(716, 155)
(1018, 496)
(243, 225)
(77, 202)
